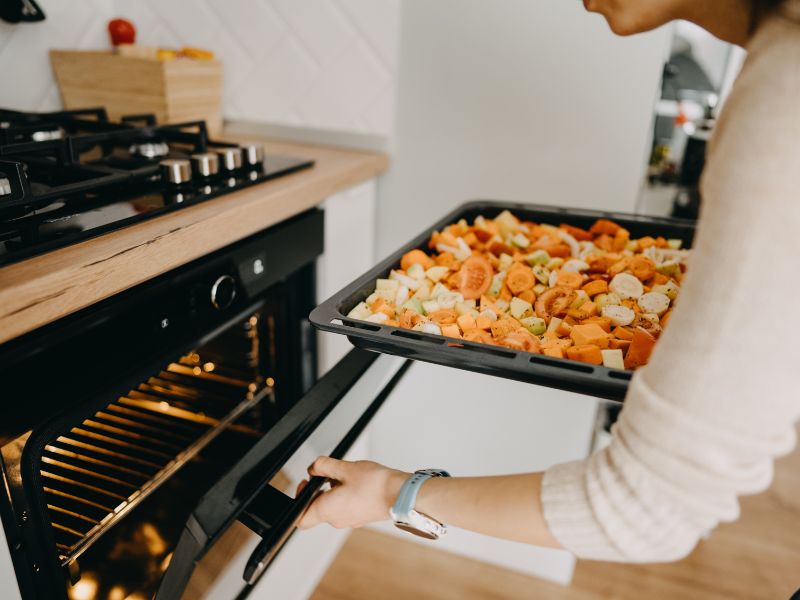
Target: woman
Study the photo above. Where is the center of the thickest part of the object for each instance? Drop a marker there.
(704, 420)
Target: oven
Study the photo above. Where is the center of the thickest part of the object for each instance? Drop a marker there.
(151, 444)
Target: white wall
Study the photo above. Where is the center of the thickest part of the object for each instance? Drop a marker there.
(327, 64)
(515, 99)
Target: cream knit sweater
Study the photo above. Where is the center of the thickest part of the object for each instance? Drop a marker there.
(704, 420)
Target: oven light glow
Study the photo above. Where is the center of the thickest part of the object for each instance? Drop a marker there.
(270, 381)
(197, 370)
(252, 387)
(194, 357)
(84, 589)
(209, 367)
(116, 593)
(163, 405)
(253, 320)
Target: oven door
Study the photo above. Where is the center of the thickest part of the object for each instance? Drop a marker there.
(326, 421)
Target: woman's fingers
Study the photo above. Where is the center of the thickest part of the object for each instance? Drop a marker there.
(331, 468)
(314, 515)
(300, 487)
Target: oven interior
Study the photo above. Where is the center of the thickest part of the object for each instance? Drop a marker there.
(113, 428)
(119, 486)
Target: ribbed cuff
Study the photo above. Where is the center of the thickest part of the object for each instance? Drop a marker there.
(569, 515)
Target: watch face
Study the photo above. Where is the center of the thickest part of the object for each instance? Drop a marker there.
(415, 531)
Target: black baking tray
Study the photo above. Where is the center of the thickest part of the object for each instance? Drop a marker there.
(563, 374)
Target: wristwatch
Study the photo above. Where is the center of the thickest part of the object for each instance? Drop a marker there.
(404, 514)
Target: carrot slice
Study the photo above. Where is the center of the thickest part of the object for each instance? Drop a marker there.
(497, 248)
(415, 257)
(474, 277)
(554, 302)
(642, 267)
(595, 287)
(604, 226)
(521, 340)
(645, 242)
(569, 279)
(558, 250)
(605, 242)
(621, 239)
(520, 279)
(579, 234)
(528, 296)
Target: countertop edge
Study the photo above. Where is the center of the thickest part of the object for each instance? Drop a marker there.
(45, 288)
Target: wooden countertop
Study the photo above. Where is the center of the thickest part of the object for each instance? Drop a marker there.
(44, 288)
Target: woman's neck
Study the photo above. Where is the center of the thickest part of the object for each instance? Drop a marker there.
(729, 20)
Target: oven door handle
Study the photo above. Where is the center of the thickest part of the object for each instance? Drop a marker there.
(275, 529)
(274, 516)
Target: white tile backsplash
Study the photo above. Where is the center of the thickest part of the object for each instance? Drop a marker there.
(328, 64)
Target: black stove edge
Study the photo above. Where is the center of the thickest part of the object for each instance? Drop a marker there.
(302, 164)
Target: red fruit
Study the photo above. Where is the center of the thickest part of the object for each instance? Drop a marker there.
(121, 32)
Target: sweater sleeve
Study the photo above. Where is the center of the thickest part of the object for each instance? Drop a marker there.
(703, 422)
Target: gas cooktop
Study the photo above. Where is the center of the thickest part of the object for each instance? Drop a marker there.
(67, 176)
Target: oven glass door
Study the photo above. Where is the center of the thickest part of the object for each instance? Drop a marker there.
(326, 421)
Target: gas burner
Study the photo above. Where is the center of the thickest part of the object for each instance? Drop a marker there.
(149, 150)
(68, 176)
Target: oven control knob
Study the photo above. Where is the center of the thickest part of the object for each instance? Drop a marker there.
(223, 292)
(253, 155)
(176, 171)
(205, 164)
(230, 158)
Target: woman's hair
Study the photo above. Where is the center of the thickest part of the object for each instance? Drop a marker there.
(762, 8)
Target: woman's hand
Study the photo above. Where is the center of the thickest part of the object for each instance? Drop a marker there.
(362, 492)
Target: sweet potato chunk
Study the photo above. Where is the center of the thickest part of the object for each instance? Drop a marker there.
(588, 353)
(590, 334)
(640, 349)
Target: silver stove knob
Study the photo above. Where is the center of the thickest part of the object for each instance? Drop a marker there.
(253, 154)
(149, 149)
(205, 164)
(175, 171)
(231, 158)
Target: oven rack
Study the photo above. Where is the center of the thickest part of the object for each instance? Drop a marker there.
(100, 469)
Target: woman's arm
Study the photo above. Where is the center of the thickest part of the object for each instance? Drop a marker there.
(506, 506)
(704, 420)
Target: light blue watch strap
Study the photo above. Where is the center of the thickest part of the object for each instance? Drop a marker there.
(407, 498)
